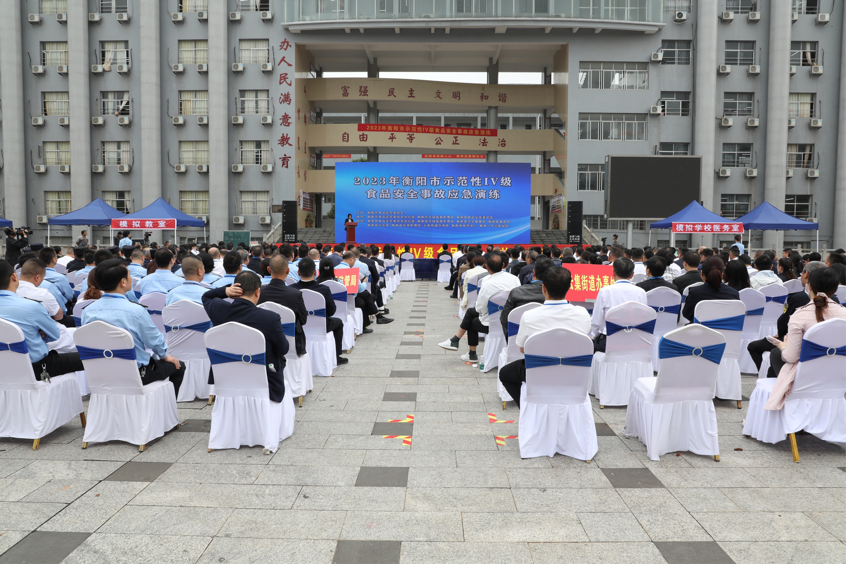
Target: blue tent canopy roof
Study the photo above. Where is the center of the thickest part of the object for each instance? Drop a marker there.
(693, 213)
(162, 210)
(97, 212)
(768, 217)
(5, 222)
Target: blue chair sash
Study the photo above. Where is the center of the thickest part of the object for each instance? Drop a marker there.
(340, 297)
(201, 327)
(777, 299)
(472, 287)
(611, 328)
(407, 260)
(444, 259)
(674, 309)
(813, 351)
(19, 347)
(77, 321)
(220, 357)
(725, 323)
(154, 312)
(317, 312)
(759, 311)
(290, 329)
(494, 307)
(86, 353)
(513, 328)
(538, 361)
(673, 349)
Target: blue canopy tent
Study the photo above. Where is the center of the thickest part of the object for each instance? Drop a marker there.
(768, 217)
(693, 213)
(160, 209)
(97, 212)
(5, 222)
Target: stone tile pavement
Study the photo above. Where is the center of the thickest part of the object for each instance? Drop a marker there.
(395, 459)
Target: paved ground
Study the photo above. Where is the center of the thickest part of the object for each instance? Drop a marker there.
(337, 491)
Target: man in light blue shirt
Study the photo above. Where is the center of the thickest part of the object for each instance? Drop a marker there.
(126, 241)
(136, 267)
(162, 279)
(738, 242)
(232, 267)
(88, 257)
(208, 265)
(192, 289)
(48, 255)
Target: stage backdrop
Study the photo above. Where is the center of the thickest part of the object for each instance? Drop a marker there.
(434, 203)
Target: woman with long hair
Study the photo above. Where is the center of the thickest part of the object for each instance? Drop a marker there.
(386, 251)
(785, 270)
(736, 276)
(326, 271)
(712, 289)
(93, 292)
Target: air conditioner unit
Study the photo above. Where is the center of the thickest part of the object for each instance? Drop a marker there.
(123, 69)
(238, 220)
(124, 120)
(726, 122)
(62, 69)
(237, 67)
(791, 123)
(792, 69)
(816, 70)
(124, 169)
(39, 169)
(34, 18)
(727, 17)
(680, 17)
(64, 121)
(753, 122)
(178, 17)
(794, 17)
(267, 16)
(265, 220)
(816, 123)
(97, 69)
(42, 219)
(203, 16)
(237, 168)
(202, 120)
(813, 173)
(751, 173)
(823, 18)
(267, 168)
(655, 110)
(656, 57)
(267, 120)
(62, 18)
(754, 69)
(123, 17)
(789, 173)
(99, 169)
(177, 68)
(725, 69)
(37, 121)
(37, 69)
(94, 18)
(202, 68)
(237, 120)
(180, 168)
(178, 120)
(725, 172)
(64, 169)
(266, 67)
(204, 169)
(203, 218)
(234, 16)
(97, 120)
(754, 17)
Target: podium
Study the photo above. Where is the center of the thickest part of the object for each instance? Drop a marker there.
(350, 227)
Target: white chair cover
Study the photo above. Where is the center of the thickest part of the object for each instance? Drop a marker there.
(710, 313)
(155, 304)
(390, 274)
(793, 286)
(472, 294)
(555, 411)
(290, 280)
(319, 344)
(841, 294)
(355, 317)
(667, 304)
(298, 374)
(495, 341)
(385, 293)
(754, 302)
(638, 278)
(60, 268)
(121, 408)
(185, 324)
(407, 263)
(511, 352)
(342, 312)
(444, 265)
(30, 409)
(685, 293)
(243, 413)
(675, 411)
(627, 356)
(76, 278)
(136, 287)
(776, 295)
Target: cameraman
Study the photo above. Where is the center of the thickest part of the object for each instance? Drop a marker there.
(15, 243)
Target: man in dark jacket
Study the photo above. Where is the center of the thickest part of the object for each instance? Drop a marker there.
(277, 292)
(655, 268)
(691, 275)
(243, 310)
(78, 262)
(525, 275)
(254, 263)
(364, 257)
(306, 270)
(526, 294)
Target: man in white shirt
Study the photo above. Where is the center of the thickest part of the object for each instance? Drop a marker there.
(476, 319)
(66, 258)
(637, 257)
(218, 262)
(620, 292)
(477, 269)
(764, 275)
(30, 287)
(457, 255)
(555, 313)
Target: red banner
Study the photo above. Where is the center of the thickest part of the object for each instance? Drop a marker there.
(143, 224)
(587, 280)
(337, 156)
(349, 278)
(710, 227)
(481, 157)
(376, 127)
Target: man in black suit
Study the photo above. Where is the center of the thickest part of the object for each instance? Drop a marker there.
(243, 310)
(306, 270)
(525, 274)
(691, 272)
(526, 294)
(712, 289)
(364, 257)
(277, 292)
(78, 262)
(655, 268)
(254, 263)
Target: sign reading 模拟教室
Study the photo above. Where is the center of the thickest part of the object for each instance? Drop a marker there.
(435, 202)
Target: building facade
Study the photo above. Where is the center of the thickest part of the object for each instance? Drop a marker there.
(221, 107)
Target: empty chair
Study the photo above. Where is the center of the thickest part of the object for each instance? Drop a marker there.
(727, 317)
(121, 408)
(555, 411)
(627, 356)
(675, 411)
(185, 324)
(298, 375)
(243, 413)
(667, 304)
(407, 264)
(320, 345)
(32, 409)
(155, 303)
(511, 352)
(793, 286)
(754, 302)
(495, 341)
(776, 296)
(340, 297)
(444, 265)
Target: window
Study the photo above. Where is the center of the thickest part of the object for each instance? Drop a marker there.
(255, 51)
(803, 53)
(674, 148)
(737, 103)
(626, 10)
(56, 153)
(58, 203)
(114, 103)
(113, 6)
(733, 206)
(194, 52)
(798, 206)
(193, 6)
(801, 105)
(741, 6)
(117, 153)
(800, 155)
(255, 102)
(675, 52)
(255, 203)
(806, 6)
(195, 202)
(55, 104)
(194, 152)
(737, 154)
(740, 52)
(599, 222)
(121, 200)
(193, 102)
(591, 177)
(54, 53)
(255, 152)
(675, 103)
(614, 76)
(671, 6)
(113, 53)
(54, 7)
(254, 5)
(612, 127)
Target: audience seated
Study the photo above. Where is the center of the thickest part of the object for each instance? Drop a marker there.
(525, 294)
(655, 268)
(620, 292)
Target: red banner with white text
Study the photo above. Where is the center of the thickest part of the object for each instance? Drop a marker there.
(587, 280)
(710, 227)
(143, 224)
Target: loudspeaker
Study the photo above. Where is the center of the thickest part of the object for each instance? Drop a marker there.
(289, 221)
(574, 222)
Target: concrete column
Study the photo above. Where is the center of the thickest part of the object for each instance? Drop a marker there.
(373, 113)
(151, 104)
(15, 157)
(840, 177)
(79, 71)
(219, 155)
(493, 71)
(778, 94)
(373, 68)
(705, 96)
(492, 120)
